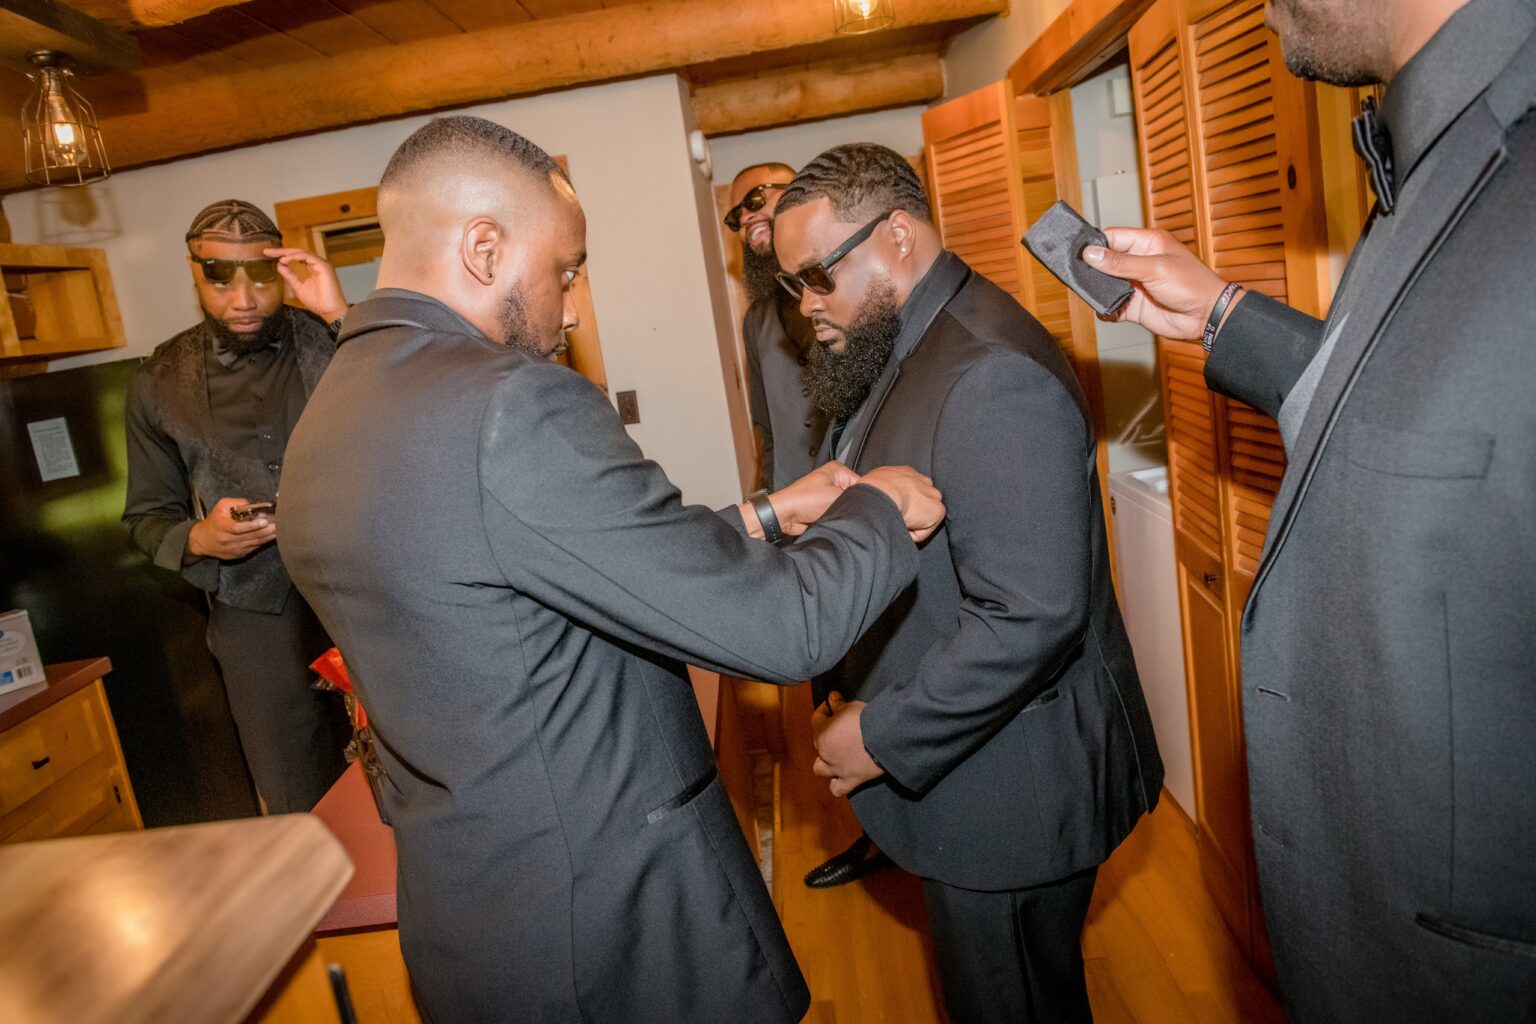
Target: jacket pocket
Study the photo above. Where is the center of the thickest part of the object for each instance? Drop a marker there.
(684, 798)
(1457, 932)
(1444, 455)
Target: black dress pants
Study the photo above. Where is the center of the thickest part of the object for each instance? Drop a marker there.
(1012, 957)
(293, 735)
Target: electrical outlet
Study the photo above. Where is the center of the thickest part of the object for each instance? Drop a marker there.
(629, 406)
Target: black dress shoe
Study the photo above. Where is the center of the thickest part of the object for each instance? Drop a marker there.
(853, 863)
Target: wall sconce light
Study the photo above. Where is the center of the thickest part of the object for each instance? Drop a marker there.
(858, 16)
(59, 129)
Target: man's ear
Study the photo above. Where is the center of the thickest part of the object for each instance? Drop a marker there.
(481, 251)
(903, 231)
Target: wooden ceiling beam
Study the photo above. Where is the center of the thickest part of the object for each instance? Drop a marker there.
(148, 13)
(177, 119)
(803, 94)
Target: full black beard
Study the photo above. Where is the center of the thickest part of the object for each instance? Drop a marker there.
(840, 381)
(271, 331)
(759, 272)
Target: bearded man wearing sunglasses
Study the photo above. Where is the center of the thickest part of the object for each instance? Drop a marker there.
(208, 419)
(776, 337)
(990, 728)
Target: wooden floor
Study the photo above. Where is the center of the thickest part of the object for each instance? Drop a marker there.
(1156, 951)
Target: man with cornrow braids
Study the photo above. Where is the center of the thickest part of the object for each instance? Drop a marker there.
(989, 728)
(208, 419)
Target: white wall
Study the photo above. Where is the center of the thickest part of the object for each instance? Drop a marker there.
(1109, 166)
(900, 129)
(982, 55)
(629, 160)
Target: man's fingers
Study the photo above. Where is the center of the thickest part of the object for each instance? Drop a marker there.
(823, 769)
(840, 788)
(1119, 264)
(1138, 241)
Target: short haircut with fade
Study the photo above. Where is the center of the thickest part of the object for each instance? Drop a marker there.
(466, 138)
(861, 180)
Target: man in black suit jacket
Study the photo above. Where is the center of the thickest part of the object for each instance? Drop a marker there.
(515, 588)
(990, 726)
(1389, 645)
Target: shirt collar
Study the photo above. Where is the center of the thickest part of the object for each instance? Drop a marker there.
(1451, 70)
(383, 305)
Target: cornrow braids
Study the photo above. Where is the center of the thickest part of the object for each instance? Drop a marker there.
(233, 220)
(861, 180)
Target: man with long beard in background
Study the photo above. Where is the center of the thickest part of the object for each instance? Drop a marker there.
(776, 337)
(990, 726)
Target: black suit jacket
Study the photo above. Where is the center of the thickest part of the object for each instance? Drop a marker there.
(1003, 698)
(1389, 644)
(514, 588)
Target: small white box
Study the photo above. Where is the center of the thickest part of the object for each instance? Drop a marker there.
(20, 665)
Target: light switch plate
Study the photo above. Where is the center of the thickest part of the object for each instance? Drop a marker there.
(629, 406)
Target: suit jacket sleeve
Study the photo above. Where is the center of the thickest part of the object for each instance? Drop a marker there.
(1014, 458)
(1262, 349)
(757, 398)
(158, 509)
(581, 521)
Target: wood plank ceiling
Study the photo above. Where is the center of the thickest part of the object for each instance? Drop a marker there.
(229, 47)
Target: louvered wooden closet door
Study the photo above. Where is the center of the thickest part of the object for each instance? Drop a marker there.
(1168, 185)
(977, 192)
(1162, 72)
(1261, 190)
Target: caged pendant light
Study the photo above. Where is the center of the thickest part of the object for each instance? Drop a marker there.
(858, 16)
(59, 129)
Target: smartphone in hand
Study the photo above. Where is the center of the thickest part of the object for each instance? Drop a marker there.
(245, 513)
(1057, 240)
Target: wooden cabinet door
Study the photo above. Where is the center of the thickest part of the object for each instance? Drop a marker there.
(976, 185)
(1161, 74)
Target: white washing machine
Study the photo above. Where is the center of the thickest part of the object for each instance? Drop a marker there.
(1149, 601)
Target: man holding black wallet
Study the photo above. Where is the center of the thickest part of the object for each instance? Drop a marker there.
(1389, 654)
(989, 728)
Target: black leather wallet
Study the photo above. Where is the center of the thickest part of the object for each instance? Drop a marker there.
(1057, 240)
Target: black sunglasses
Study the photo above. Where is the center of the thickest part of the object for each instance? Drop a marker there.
(753, 201)
(262, 271)
(818, 276)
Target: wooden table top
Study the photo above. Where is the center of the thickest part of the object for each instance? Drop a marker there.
(62, 680)
(174, 924)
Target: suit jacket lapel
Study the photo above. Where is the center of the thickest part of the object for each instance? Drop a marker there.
(1470, 152)
(856, 448)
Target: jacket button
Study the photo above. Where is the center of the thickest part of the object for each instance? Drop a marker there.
(273, 466)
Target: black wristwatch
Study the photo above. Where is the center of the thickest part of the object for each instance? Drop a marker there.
(766, 516)
(335, 325)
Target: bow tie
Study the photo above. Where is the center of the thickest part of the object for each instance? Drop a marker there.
(1374, 145)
